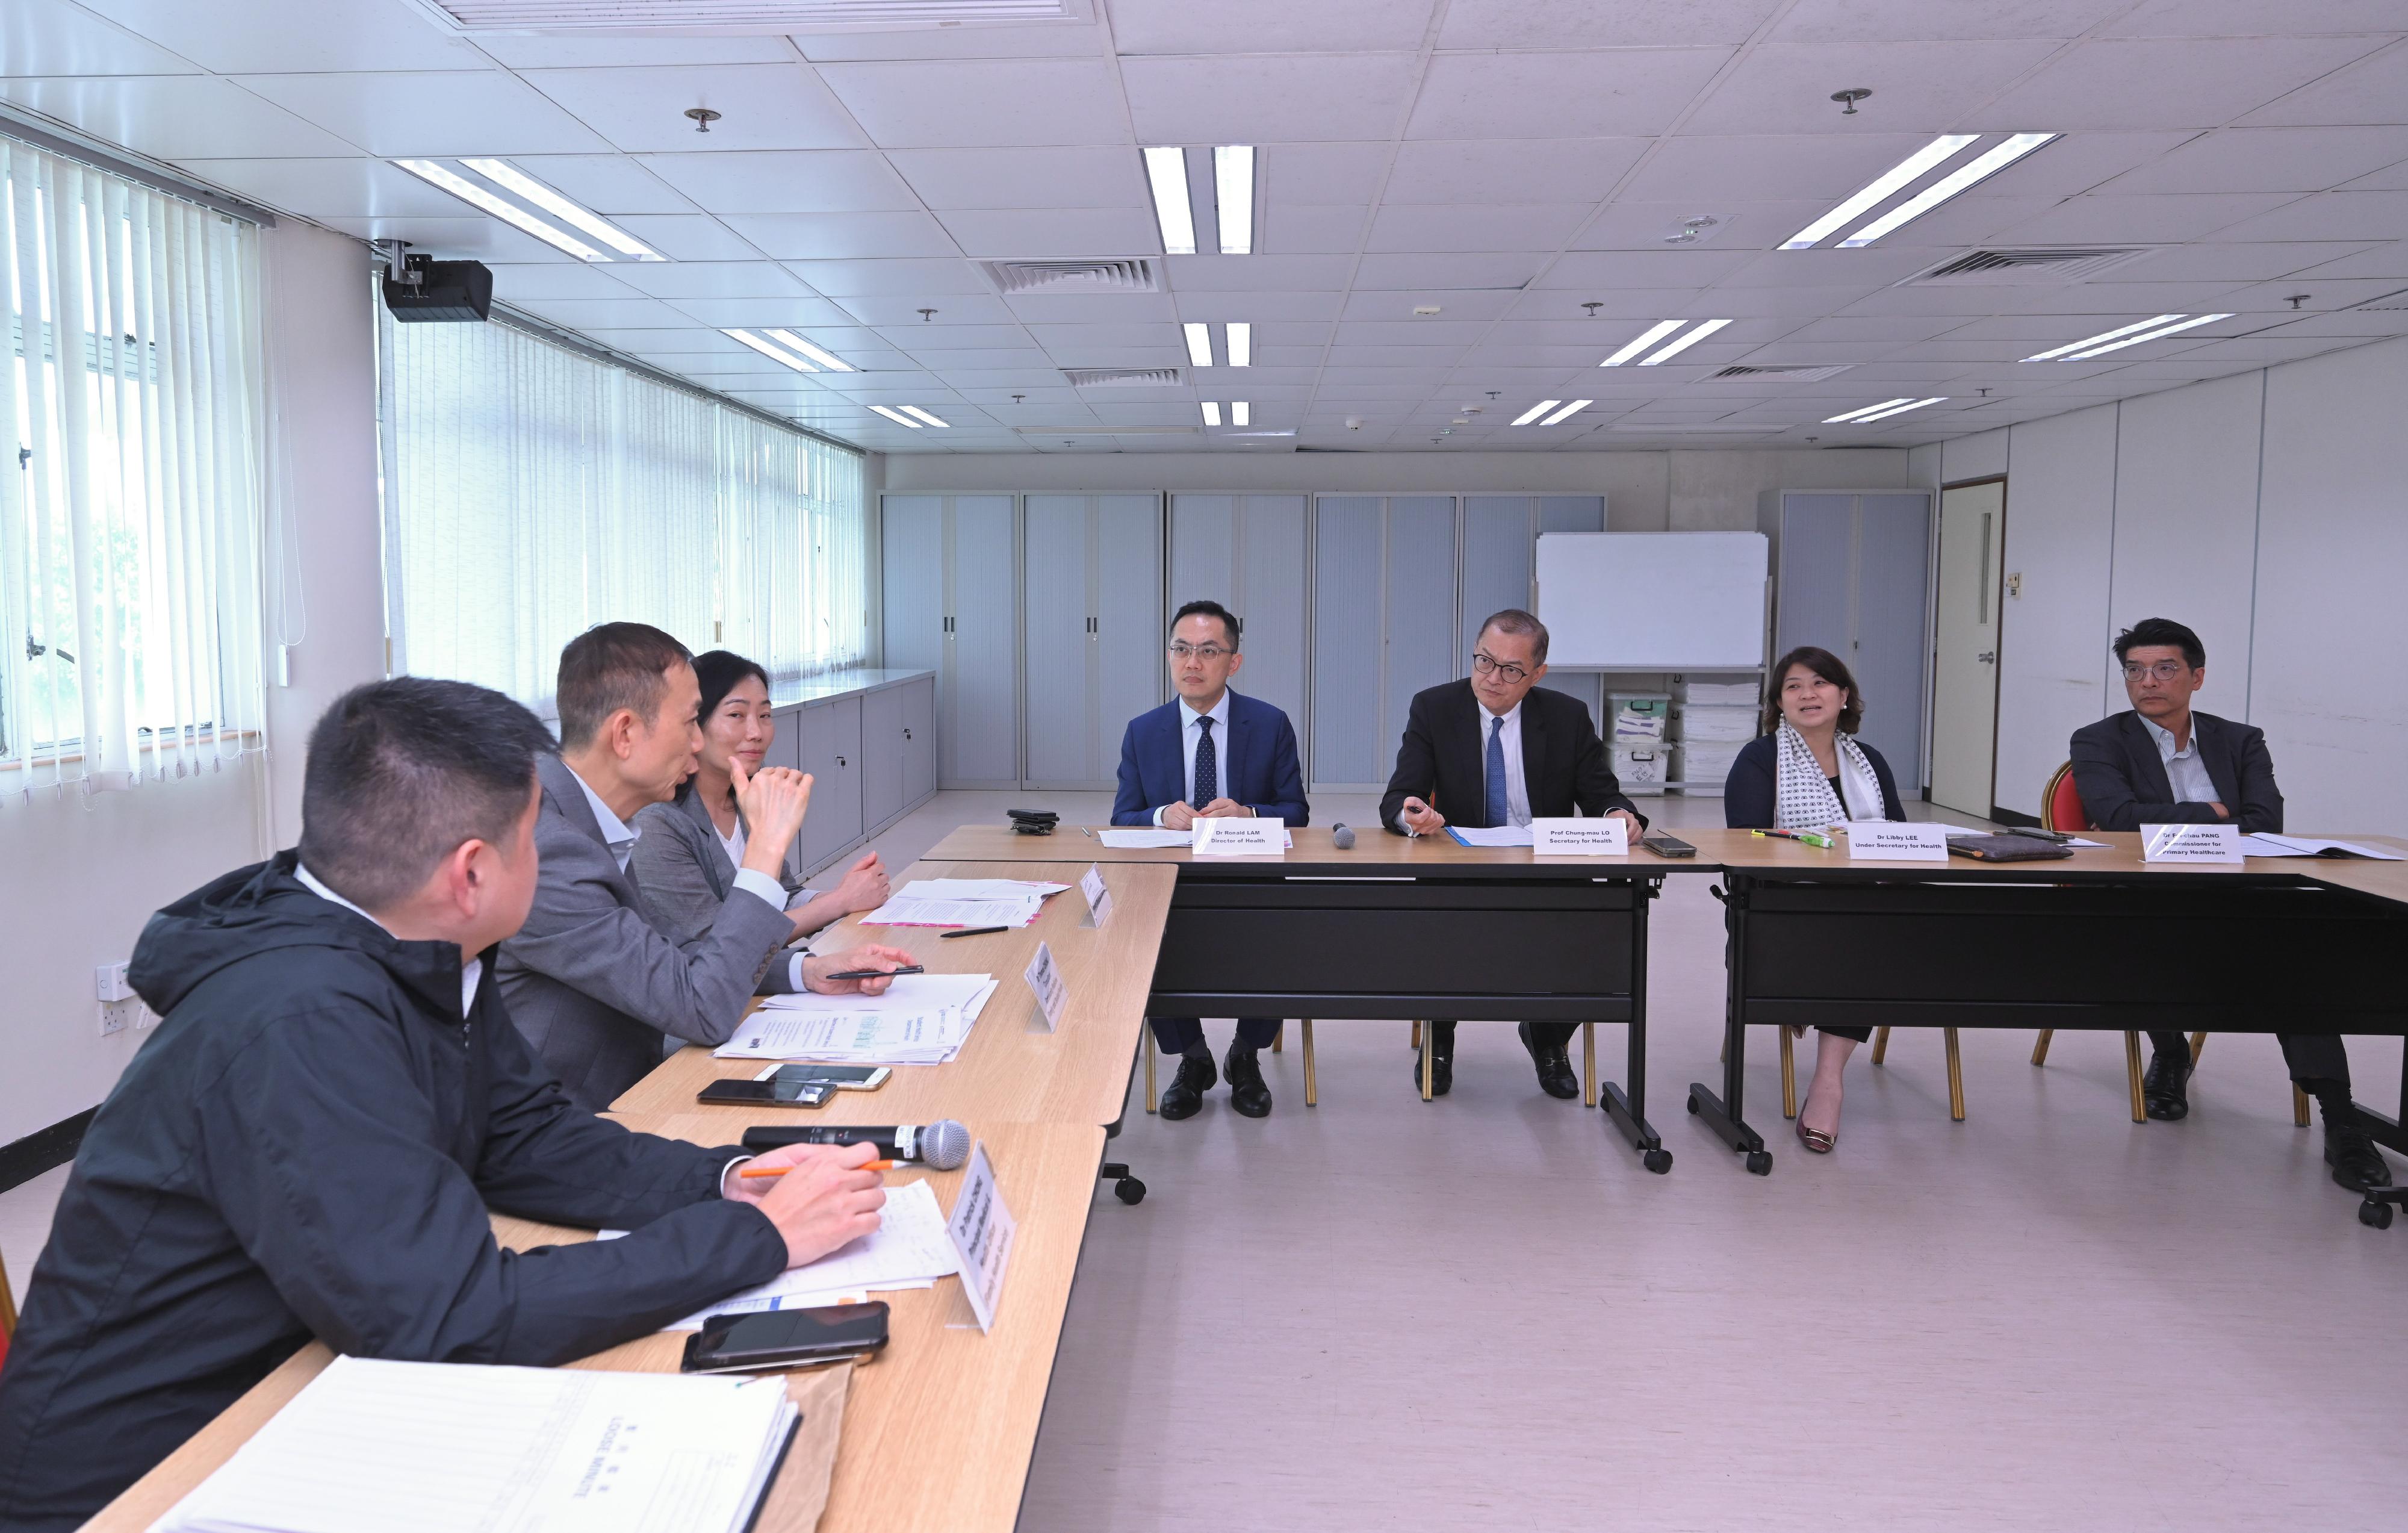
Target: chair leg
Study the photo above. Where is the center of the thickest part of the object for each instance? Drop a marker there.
(1788, 1074)
(1955, 1077)
(1417, 1035)
(2298, 1105)
(2039, 1046)
(1279, 1038)
(1722, 1055)
(1422, 1036)
(1312, 1086)
(1588, 1064)
(1881, 1046)
(2198, 1047)
(1151, 1099)
(2132, 1075)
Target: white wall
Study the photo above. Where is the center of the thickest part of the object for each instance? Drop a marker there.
(2186, 527)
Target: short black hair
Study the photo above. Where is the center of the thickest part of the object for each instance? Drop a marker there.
(1515, 621)
(1229, 624)
(2153, 631)
(610, 666)
(401, 772)
(1832, 668)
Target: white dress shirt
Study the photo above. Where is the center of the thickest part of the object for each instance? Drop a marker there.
(1517, 782)
(471, 970)
(2185, 771)
(1190, 733)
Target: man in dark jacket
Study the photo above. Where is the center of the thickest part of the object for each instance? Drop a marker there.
(309, 1144)
(2164, 764)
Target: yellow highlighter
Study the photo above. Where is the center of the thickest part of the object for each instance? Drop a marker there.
(1811, 837)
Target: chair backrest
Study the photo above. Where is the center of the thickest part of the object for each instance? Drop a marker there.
(2061, 803)
(8, 1315)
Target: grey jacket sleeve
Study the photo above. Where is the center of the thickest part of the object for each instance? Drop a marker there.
(680, 896)
(581, 935)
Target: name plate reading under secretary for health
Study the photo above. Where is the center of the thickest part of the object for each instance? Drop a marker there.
(2190, 843)
(1604, 836)
(1890, 841)
(1229, 835)
(982, 1228)
(1053, 992)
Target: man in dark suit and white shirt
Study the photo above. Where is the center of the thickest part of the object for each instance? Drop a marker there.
(1209, 752)
(591, 981)
(1498, 750)
(2162, 764)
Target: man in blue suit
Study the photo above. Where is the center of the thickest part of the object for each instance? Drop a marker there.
(1211, 753)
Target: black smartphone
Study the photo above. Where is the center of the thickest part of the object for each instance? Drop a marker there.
(770, 1093)
(843, 1076)
(1666, 846)
(776, 1338)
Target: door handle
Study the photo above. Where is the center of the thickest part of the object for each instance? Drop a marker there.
(907, 734)
(1988, 657)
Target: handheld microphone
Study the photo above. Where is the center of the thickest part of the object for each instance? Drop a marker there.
(1341, 837)
(942, 1145)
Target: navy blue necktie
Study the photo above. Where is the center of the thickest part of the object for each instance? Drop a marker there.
(1208, 767)
(1497, 813)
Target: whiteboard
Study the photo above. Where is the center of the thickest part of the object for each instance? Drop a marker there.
(1654, 600)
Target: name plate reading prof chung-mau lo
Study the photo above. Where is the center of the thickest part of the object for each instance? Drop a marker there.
(1601, 836)
(1232, 836)
(2190, 843)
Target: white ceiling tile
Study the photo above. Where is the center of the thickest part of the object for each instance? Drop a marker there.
(610, 184)
(971, 105)
(2254, 19)
(762, 107)
(713, 279)
(521, 283)
(1094, 307)
(1454, 303)
(1288, 359)
(1452, 270)
(1261, 26)
(1311, 231)
(279, 36)
(1898, 328)
(1488, 171)
(1438, 332)
(837, 237)
(1025, 178)
(1321, 175)
(1056, 338)
(803, 181)
(990, 234)
(630, 313)
(687, 236)
(1645, 268)
(940, 363)
(1605, 93)
(484, 111)
(1268, 100)
(1563, 304)
(2324, 296)
(1976, 216)
(473, 238)
(2230, 261)
(1918, 21)
(2391, 179)
(2083, 161)
(1038, 40)
(59, 38)
(2369, 91)
(918, 278)
(328, 188)
(2389, 260)
(1251, 273)
(1920, 87)
(2330, 215)
(1626, 225)
(176, 117)
(752, 313)
(603, 51)
(1767, 167)
(954, 308)
(1259, 307)
(1518, 226)
(1599, 23)
(2104, 218)
(916, 337)
(2205, 82)
(2268, 159)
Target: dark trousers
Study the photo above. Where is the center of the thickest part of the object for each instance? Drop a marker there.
(1179, 1035)
(2313, 1056)
(1546, 1035)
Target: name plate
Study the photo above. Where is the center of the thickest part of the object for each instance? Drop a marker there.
(2190, 843)
(981, 1229)
(1238, 837)
(1893, 841)
(1603, 837)
(1100, 899)
(1053, 992)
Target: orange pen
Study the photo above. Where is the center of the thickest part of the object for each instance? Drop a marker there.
(752, 1172)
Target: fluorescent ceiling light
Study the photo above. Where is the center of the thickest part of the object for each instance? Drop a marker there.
(1567, 412)
(1685, 342)
(1200, 343)
(1211, 413)
(825, 358)
(1233, 193)
(774, 353)
(898, 419)
(1166, 171)
(503, 173)
(1240, 337)
(1863, 410)
(1880, 190)
(1535, 411)
(1653, 334)
(2070, 347)
(914, 410)
(2150, 335)
(508, 213)
(1241, 413)
(1881, 413)
(1998, 157)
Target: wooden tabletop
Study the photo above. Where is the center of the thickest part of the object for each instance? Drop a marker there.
(2384, 880)
(1010, 1070)
(1374, 849)
(938, 1430)
(1744, 850)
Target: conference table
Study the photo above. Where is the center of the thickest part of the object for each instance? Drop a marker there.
(1392, 927)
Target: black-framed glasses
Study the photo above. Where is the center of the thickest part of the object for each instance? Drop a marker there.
(2164, 670)
(1182, 650)
(1505, 670)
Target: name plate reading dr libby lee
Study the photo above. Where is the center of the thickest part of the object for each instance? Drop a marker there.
(1891, 840)
(1053, 992)
(1235, 836)
(1603, 837)
(2190, 843)
(981, 1229)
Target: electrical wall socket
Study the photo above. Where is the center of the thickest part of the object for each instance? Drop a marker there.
(110, 983)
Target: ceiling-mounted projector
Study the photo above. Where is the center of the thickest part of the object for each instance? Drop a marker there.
(422, 289)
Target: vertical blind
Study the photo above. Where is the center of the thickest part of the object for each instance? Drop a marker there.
(534, 491)
(129, 515)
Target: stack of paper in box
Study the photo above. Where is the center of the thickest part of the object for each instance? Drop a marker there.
(1718, 693)
(378, 1447)
(1716, 724)
(923, 1019)
(964, 902)
(1707, 767)
(1636, 717)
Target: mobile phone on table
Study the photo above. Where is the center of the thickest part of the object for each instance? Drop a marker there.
(779, 1338)
(1666, 846)
(770, 1093)
(843, 1076)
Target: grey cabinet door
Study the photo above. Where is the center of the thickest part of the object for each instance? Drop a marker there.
(911, 580)
(883, 745)
(1891, 639)
(1500, 542)
(978, 738)
(1347, 747)
(1131, 672)
(919, 740)
(1248, 553)
(1056, 683)
(1421, 605)
(1813, 601)
(831, 740)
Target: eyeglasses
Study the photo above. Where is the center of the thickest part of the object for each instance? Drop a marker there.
(2164, 670)
(1487, 664)
(1182, 650)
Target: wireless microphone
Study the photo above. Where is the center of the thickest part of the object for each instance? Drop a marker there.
(1341, 837)
(942, 1145)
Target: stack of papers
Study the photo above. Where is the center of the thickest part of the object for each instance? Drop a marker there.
(923, 1019)
(964, 902)
(910, 1249)
(1492, 836)
(1145, 838)
(379, 1447)
(2257, 843)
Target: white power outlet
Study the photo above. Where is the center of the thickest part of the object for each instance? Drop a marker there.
(114, 1015)
(111, 983)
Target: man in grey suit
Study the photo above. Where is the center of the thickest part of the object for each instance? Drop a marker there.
(590, 981)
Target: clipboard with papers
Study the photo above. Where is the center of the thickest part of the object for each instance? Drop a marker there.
(923, 1019)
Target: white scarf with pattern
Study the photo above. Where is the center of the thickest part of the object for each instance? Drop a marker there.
(1803, 798)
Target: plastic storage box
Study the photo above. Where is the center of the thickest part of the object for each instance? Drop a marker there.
(1716, 724)
(1637, 715)
(1642, 770)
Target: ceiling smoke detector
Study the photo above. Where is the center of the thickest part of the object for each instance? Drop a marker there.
(1132, 274)
(2028, 266)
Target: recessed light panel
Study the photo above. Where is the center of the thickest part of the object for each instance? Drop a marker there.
(1683, 342)
(1166, 172)
(504, 173)
(897, 416)
(770, 349)
(1233, 195)
(1567, 412)
(2129, 335)
(817, 353)
(1882, 412)
(477, 194)
(1240, 413)
(1212, 408)
(1646, 338)
(1904, 174)
(1200, 343)
(1535, 411)
(916, 411)
(1239, 338)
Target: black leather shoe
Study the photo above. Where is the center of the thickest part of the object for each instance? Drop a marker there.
(1185, 1092)
(2165, 1090)
(1555, 1077)
(1247, 1093)
(1441, 1047)
(2357, 1163)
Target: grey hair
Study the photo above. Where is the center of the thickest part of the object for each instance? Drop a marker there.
(1515, 621)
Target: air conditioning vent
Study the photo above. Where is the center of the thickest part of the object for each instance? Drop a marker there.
(1134, 274)
(2389, 303)
(1778, 374)
(1123, 378)
(2028, 266)
(740, 16)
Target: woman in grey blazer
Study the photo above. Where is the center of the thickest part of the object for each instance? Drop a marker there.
(686, 857)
